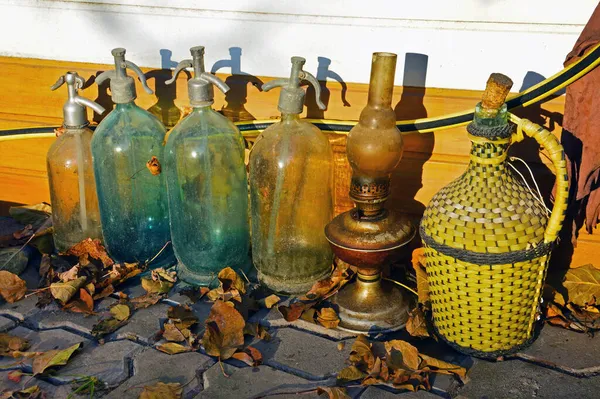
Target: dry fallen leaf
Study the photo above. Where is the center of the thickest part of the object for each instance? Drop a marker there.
(154, 166)
(57, 357)
(172, 348)
(419, 262)
(65, 291)
(416, 324)
(583, 285)
(11, 343)
(12, 288)
(92, 249)
(70, 274)
(182, 316)
(145, 300)
(160, 390)
(107, 326)
(224, 332)
(400, 365)
(229, 279)
(328, 318)
(15, 376)
(121, 312)
(85, 303)
(250, 355)
(269, 301)
(333, 392)
(173, 334)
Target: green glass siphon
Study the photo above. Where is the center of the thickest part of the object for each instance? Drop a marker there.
(207, 184)
(132, 195)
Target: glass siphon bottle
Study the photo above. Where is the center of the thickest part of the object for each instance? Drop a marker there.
(291, 175)
(127, 149)
(75, 214)
(207, 183)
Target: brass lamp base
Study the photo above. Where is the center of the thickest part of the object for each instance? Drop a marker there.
(371, 305)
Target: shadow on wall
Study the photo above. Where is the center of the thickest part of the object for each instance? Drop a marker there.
(164, 108)
(235, 98)
(323, 73)
(529, 151)
(407, 179)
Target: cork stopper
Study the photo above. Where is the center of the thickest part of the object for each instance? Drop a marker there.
(497, 88)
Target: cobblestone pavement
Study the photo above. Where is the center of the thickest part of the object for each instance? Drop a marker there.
(300, 356)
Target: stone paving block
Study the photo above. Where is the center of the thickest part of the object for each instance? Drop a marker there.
(52, 316)
(6, 324)
(378, 393)
(308, 356)
(567, 348)
(51, 391)
(273, 318)
(19, 310)
(248, 383)
(151, 366)
(40, 342)
(144, 324)
(516, 379)
(109, 362)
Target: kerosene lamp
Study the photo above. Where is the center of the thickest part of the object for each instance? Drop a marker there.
(371, 236)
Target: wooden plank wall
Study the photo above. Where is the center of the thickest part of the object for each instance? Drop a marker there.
(430, 160)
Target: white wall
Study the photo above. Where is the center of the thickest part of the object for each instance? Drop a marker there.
(464, 40)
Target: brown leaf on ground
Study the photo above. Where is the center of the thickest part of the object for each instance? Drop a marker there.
(173, 348)
(351, 373)
(89, 248)
(11, 343)
(294, 311)
(57, 357)
(269, 301)
(416, 324)
(33, 392)
(85, 303)
(153, 166)
(182, 316)
(63, 292)
(119, 273)
(229, 280)
(583, 285)
(173, 334)
(70, 274)
(250, 355)
(146, 300)
(257, 330)
(160, 390)
(45, 265)
(328, 318)
(15, 376)
(35, 215)
(418, 263)
(333, 392)
(400, 366)
(106, 291)
(156, 286)
(224, 332)
(12, 288)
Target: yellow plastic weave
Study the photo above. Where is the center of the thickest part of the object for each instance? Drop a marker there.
(489, 210)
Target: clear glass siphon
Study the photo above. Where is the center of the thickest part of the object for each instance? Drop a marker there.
(291, 175)
(75, 214)
(207, 185)
(132, 199)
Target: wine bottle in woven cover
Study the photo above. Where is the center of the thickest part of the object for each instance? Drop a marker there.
(488, 237)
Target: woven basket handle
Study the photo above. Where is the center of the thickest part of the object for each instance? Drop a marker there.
(557, 154)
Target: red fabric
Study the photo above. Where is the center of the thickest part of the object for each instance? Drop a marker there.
(581, 130)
